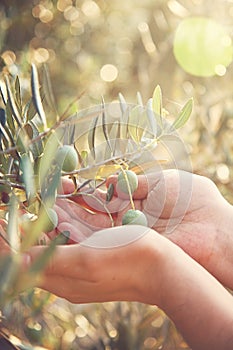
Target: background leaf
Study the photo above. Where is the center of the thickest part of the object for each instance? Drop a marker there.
(36, 96)
(12, 103)
(157, 103)
(184, 114)
(18, 94)
(91, 135)
(26, 166)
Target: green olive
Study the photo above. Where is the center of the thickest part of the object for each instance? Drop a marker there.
(127, 180)
(134, 217)
(50, 220)
(5, 198)
(67, 157)
(5, 190)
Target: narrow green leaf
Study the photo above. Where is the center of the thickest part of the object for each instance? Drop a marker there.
(36, 96)
(184, 114)
(104, 126)
(40, 263)
(91, 136)
(8, 273)
(5, 137)
(18, 94)
(12, 103)
(3, 93)
(3, 163)
(157, 103)
(49, 96)
(136, 123)
(49, 189)
(110, 192)
(12, 227)
(123, 104)
(69, 136)
(10, 120)
(114, 136)
(29, 111)
(47, 86)
(22, 140)
(151, 117)
(139, 99)
(5, 143)
(36, 147)
(62, 238)
(47, 159)
(7, 132)
(84, 157)
(26, 167)
(124, 124)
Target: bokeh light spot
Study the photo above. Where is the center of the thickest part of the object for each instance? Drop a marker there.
(9, 57)
(41, 55)
(71, 13)
(90, 9)
(223, 173)
(220, 70)
(41, 12)
(202, 46)
(63, 4)
(109, 72)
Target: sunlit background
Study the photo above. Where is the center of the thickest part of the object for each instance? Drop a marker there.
(100, 48)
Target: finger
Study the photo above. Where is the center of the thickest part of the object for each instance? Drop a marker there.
(68, 221)
(63, 215)
(66, 186)
(91, 219)
(98, 202)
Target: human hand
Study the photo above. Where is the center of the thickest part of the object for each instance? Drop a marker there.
(83, 214)
(135, 263)
(190, 211)
(149, 269)
(105, 266)
(186, 208)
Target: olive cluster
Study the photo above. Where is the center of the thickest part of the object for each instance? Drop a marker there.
(67, 158)
(127, 182)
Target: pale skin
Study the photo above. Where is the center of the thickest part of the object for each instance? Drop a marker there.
(174, 271)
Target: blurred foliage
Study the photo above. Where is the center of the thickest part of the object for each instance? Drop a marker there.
(100, 48)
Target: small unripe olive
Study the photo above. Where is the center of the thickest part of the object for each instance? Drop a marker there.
(51, 220)
(134, 217)
(5, 190)
(5, 197)
(132, 181)
(67, 157)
